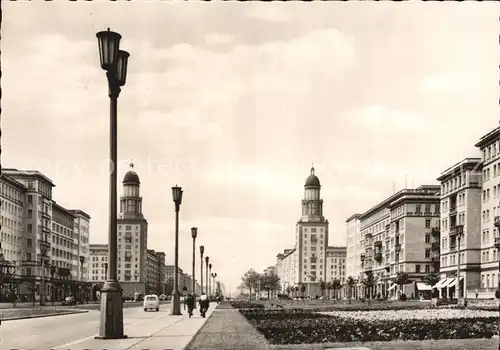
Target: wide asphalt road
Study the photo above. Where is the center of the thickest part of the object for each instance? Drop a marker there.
(62, 331)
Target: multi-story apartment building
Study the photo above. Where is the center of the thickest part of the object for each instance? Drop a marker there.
(285, 268)
(98, 265)
(81, 229)
(460, 220)
(154, 276)
(169, 277)
(32, 220)
(353, 252)
(336, 264)
(398, 237)
(311, 238)
(489, 254)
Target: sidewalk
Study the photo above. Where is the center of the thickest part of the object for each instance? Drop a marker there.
(163, 332)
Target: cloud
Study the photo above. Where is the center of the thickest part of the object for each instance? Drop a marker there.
(217, 38)
(452, 83)
(269, 13)
(383, 119)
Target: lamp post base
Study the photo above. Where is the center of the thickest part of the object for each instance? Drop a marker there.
(111, 326)
(176, 305)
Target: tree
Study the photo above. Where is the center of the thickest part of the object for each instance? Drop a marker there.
(322, 286)
(250, 281)
(269, 282)
(288, 290)
(336, 285)
(431, 279)
(302, 289)
(350, 284)
(369, 281)
(329, 287)
(401, 279)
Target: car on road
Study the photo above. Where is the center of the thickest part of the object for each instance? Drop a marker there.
(151, 302)
(163, 297)
(69, 301)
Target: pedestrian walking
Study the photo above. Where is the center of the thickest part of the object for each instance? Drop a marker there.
(190, 302)
(204, 303)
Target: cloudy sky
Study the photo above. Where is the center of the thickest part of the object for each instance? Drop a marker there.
(235, 101)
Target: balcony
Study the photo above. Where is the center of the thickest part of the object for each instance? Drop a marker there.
(387, 226)
(313, 260)
(453, 246)
(497, 242)
(378, 244)
(457, 230)
(368, 235)
(45, 215)
(362, 257)
(435, 231)
(435, 246)
(378, 257)
(497, 221)
(453, 210)
(397, 247)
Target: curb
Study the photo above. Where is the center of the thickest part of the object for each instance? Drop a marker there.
(43, 315)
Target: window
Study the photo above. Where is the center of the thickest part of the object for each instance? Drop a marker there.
(418, 208)
(427, 208)
(427, 223)
(417, 268)
(427, 269)
(30, 228)
(427, 253)
(30, 199)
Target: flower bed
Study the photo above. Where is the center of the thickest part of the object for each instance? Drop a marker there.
(306, 327)
(412, 314)
(240, 304)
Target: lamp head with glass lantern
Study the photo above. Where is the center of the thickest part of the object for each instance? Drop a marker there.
(177, 196)
(207, 259)
(202, 250)
(210, 266)
(113, 60)
(194, 232)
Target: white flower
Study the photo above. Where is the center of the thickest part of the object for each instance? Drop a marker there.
(373, 315)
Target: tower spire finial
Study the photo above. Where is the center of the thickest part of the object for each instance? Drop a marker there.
(131, 164)
(312, 169)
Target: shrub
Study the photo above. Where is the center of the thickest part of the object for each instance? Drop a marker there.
(246, 305)
(299, 327)
(402, 297)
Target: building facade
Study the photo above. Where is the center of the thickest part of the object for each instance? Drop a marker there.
(32, 220)
(489, 256)
(460, 213)
(353, 251)
(286, 269)
(398, 238)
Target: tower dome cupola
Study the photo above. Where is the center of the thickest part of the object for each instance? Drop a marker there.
(131, 177)
(312, 180)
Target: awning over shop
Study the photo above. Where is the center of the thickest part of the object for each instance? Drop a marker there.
(450, 281)
(392, 287)
(440, 284)
(422, 286)
(454, 282)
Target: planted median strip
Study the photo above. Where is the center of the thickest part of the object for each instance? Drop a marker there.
(17, 314)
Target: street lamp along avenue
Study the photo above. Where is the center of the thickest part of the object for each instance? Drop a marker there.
(44, 247)
(176, 301)
(207, 259)
(214, 290)
(209, 280)
(114, 61)
(202, 251)
(82, 290)
(194, 233)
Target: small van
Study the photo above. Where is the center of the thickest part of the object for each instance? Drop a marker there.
(151, 302)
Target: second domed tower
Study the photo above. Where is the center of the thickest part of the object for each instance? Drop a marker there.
(312, 204)
(131, 200)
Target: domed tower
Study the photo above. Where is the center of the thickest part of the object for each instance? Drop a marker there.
(131, 201)
(311, 239)
(312, 204)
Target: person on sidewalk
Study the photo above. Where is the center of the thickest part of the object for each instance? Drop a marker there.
(204, 303)
(190, 302)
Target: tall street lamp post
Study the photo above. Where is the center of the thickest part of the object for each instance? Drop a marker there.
(194, 233)
(213, 282)
(210, 280)
(176, 301)
(202, 251)
(44, 247)
(82, 261)
(114, 61)
(207, 259)
(460, 233)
